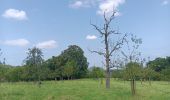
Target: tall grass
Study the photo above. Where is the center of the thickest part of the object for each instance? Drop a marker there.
(84, 89)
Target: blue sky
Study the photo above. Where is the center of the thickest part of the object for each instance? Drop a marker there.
(53, 25)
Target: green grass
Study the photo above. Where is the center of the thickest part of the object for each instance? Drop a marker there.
(84, 89)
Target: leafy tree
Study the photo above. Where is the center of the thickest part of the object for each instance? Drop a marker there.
(76, 54)
(147, 73)
(131, 58)
(110, 47)
(34, 61)
(158, 64)
(69, 69)
(53, 66)
(71, 62)
(166, 74)
(132, 72)
(96, 72)
(14, 74)
(3, 70)
(118, 73)
(161, 68)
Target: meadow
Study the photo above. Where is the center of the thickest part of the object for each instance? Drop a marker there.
(83, 89)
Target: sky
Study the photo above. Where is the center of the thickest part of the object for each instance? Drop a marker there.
(53, 25)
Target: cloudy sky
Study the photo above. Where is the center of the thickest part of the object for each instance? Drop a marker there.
(52, 25)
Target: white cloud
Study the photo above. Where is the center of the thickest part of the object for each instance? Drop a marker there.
(17, 42)
(91, 37)
(76, 4)
(165, 2)
(15, 14)
(47, 44)
(83, 3)
(109, 6)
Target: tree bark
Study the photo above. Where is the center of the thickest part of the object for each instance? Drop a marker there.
(141, 81)
(101, 81)
(105, 32)
(107, 62)
(149, 81)
(107, 78)
(133, 87)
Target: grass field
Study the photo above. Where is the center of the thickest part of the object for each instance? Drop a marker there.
(84, 89)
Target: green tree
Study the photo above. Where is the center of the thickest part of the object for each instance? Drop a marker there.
(158, 64)
(76, 54)
(131, 58)
(96, 72)
(147, 73)
(69, 69)
(34, 60)
(161, 68)
(3, 70)
(71, 58)
(166, 74)
(132, 72)
(14, 74)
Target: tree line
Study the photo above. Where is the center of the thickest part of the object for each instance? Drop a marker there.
(70, 64)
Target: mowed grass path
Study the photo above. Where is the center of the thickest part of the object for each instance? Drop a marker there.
(84, 89)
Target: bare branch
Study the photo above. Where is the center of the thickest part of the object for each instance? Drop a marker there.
(126, 57)
(118, 45)
(98, 52)
(98, 29)
(108, 21)
(0, 52)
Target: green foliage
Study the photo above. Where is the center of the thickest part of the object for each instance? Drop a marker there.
(3, 70)
(159, 64)
(96, 72)
(132, 70)
(71, 63)
(166, 74)
(161, 67)
(76, 54)
(69, 69)
(118, 73)
(34, 61)
(34, 57)
(14, 74)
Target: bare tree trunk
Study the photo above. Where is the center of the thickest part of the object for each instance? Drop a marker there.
(68, 78)
(105, 32)
(39, 81)
(101, 81)
(107, 78)
(149, 81)
(133, 87)
(107, 62)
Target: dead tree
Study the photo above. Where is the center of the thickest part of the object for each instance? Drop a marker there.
(106, 33)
